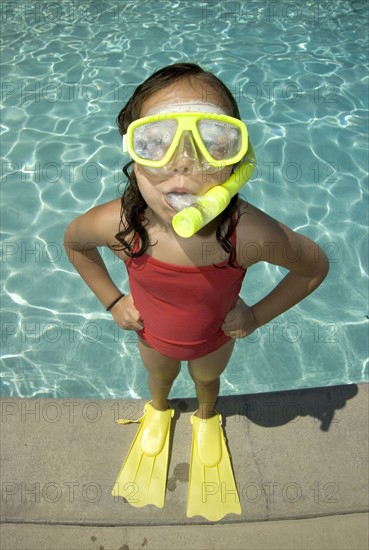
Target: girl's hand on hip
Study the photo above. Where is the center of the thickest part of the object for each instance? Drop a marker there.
(126, 315)
(240, 321)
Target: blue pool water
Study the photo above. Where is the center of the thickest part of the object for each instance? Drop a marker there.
(299, 72)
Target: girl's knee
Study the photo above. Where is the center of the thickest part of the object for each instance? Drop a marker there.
(165, 375)
(203, 379)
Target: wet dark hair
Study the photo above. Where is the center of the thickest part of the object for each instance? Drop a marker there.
(133, 205)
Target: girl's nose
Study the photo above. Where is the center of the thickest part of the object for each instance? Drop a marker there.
(186, 156)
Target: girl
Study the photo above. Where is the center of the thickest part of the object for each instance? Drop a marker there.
(184, 299)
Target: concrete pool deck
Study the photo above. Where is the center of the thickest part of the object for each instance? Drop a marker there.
(300, 460)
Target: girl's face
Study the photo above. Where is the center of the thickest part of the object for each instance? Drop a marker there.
(184, 173)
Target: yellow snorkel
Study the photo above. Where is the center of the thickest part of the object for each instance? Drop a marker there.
(207, 207)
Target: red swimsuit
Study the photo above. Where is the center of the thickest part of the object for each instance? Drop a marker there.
(183, 307)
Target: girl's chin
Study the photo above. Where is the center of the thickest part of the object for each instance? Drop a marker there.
(163, 213)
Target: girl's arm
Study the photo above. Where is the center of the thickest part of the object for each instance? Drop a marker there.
(272, 242)
(306, 273)
(82, 237)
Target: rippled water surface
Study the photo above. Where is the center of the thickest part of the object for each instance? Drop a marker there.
(299, 73)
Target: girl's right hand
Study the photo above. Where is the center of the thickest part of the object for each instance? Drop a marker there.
(126, 315)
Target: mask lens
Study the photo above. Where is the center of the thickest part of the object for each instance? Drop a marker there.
(151, 141)
(221, 139)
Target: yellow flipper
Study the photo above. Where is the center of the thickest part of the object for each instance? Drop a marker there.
(212, 491)
(143, 476)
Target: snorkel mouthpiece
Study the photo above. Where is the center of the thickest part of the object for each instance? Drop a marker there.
(179, 201)
(198, 211)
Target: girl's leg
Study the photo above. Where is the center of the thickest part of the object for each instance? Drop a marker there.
(205, 373)
(162, 371)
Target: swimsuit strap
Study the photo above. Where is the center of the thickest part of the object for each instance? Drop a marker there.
(136, 242)
(234, 233)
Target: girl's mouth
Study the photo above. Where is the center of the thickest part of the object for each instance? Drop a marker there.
(179, 201)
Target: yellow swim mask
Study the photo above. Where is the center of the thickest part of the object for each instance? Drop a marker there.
(152, 140)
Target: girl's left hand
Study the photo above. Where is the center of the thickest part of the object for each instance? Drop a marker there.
(240, 321)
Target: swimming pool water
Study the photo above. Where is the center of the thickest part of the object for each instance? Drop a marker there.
(299, 72)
